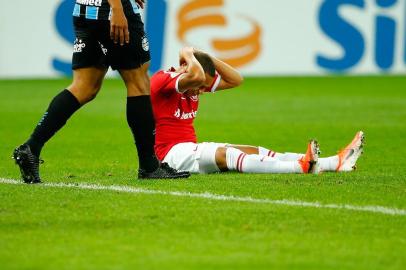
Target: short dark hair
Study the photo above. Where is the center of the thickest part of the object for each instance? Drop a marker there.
(206, 62)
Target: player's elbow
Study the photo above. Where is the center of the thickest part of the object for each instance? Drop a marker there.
(238, 79)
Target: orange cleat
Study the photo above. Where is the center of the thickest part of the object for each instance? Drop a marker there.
(309, 161)
(347, 158)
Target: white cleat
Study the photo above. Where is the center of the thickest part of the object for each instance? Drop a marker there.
(347, 158)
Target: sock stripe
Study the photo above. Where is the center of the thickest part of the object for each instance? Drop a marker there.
(238, 161)
(271, 153)
(242, 160)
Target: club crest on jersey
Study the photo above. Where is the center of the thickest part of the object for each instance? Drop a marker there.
(104, 50)
(78, 46)
(185, 115)
(145, 43)
(195, 98)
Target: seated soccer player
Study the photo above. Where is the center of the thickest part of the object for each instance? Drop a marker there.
(175, 99)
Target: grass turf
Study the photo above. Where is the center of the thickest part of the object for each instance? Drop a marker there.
(48, 228)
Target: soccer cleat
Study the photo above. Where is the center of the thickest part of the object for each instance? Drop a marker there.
(309, 161)
(347, 158)
(28, 163)
(164, 171)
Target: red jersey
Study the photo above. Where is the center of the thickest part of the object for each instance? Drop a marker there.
(174, 112)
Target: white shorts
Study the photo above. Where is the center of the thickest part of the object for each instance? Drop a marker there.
(194, 157)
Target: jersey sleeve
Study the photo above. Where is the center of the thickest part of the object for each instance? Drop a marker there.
(166, 82)
(215, 84)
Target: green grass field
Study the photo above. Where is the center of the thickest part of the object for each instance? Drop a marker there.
(44, 227)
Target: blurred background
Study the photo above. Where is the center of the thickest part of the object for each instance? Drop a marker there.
(260, 37)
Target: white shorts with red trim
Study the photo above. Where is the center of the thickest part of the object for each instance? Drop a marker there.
(194, 157)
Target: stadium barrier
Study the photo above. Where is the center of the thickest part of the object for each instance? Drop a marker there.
(261, 37)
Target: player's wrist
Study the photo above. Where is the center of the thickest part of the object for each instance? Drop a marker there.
(115, 5)
(117, 9)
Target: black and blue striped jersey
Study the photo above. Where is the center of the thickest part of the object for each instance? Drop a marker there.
(100, 9)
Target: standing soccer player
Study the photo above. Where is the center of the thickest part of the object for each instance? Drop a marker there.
(109, 33)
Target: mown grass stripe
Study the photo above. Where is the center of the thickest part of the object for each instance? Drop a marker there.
(218, 197)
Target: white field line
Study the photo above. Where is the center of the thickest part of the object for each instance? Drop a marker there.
(217, 197)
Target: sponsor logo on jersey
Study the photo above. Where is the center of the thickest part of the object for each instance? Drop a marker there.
(78, 46)
(96, 3)
(185, 115)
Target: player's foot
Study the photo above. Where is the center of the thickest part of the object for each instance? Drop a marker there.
(347, 158)
(164, 171)
(309, 161)
(28, 163)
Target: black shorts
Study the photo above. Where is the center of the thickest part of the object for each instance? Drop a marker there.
(93, 46)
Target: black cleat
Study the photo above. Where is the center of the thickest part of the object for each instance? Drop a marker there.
(164, 171)
(28, 163)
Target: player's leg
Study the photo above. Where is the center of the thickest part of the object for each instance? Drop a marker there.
(140, 116)
(345, 160)
(248, 149)
(141, 121)
(233, 159)
(86, 84)
(325, 164)
(262, 151)
(88, 63)
(132, 61)
(184, 157)
(267, 156)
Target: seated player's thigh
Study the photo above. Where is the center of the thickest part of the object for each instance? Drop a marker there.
(206, 156)
(182, 156)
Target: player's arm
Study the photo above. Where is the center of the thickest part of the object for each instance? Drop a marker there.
(230, 77)
(118, 23)
(194, 76)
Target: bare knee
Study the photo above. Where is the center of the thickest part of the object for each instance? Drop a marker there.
(221, 158)
(87, 83)
(136, 81)
(84, 93)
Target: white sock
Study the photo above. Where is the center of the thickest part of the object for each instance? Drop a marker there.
(262, 151)
(281, 156)
(288, 156)
(328, 164)
(239, 161)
